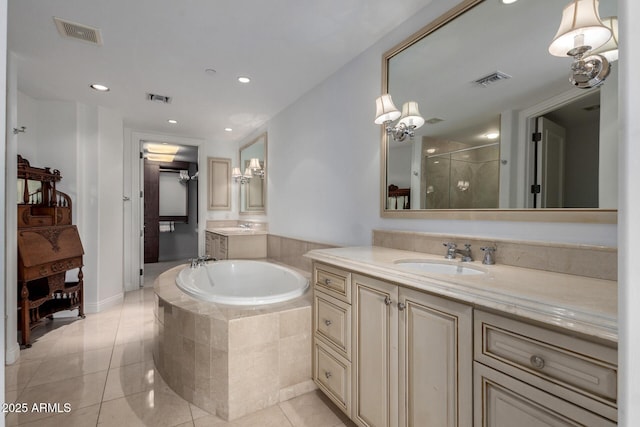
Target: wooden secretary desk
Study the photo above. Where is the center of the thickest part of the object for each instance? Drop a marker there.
(48, 246)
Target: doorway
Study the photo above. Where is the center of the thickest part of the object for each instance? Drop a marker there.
(170, 201)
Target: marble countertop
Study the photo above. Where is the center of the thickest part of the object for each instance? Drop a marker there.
(237, 231)
(575, 303)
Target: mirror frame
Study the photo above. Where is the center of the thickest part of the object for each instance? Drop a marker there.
(601, 216)
(264, 183)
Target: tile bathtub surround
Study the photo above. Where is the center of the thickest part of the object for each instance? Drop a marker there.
(103, 365)
(291, 251)
(599, 262)
(232, 361)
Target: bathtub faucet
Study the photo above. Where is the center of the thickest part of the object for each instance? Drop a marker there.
(201, 260)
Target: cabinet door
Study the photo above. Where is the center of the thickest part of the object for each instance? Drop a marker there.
(435, 338)
(502, 401)
(375, 338)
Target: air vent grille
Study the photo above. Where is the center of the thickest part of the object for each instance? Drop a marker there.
(433, 121)
(492, 78)
(78, 31)
(158, 98)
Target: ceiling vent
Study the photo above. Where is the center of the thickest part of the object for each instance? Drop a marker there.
(158, 98)
(492, 78)
(78, 31)
(433, 121)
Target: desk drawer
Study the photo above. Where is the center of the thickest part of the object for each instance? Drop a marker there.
(578, 364)
(333, 281)
(332, 321)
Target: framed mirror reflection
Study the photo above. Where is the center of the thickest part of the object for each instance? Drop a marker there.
(506, 134)
(253, 167)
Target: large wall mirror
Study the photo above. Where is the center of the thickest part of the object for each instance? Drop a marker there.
(253, 190)
(485, 83)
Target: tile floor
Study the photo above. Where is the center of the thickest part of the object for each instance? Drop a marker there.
(103, 367)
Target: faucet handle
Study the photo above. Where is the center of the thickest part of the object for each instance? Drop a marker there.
(488, 255)
(450, 245)
(451, 250)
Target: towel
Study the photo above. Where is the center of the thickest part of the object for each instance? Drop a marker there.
(167, 226)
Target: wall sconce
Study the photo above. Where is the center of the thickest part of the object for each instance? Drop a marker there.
(239, 177)
(256, 169)
(580, 34)
(410, 118)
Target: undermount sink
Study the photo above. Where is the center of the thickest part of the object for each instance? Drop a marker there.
(436, 267)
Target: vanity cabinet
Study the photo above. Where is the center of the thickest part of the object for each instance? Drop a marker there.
(540, 377)
(391, 356)
(236, 246)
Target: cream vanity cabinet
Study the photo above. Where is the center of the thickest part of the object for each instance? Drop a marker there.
(236, 245)
(540, 377)
(406, 358)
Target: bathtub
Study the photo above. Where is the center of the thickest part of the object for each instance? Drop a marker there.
(242, 282)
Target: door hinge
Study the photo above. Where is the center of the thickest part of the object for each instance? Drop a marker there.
(535, 189)
(536, 137)
(141, 194)
(141, 155)
(141, 272)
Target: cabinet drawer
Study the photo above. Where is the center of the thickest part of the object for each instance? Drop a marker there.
(334, 281)
(332, 321)
(502, 401)
(528, 351)
(332, 373)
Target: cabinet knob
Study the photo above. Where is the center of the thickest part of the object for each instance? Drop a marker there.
(537, 362)
(327, 322)
(327, 374)
(401, 306)
(327, 281)
(387, 300)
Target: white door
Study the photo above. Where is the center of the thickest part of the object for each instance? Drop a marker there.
(550, 168)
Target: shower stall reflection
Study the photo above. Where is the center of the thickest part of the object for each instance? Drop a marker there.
(461, 179)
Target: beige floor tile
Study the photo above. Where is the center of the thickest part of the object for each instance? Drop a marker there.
(132, 352)
(17, 376)
(72, 365)
(197, 412)
(130, 379)
(84, 417)
(79, 392)
(79, 343)
(269, 417)
(313, 410)
(150, 408)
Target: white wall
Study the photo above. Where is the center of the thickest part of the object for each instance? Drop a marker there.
(324, 156)
(629, 212)
(3, 159)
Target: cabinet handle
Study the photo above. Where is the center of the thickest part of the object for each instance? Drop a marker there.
(537, 362)
(327, 281)
(327, 374)
(401, 306)
(387, 300)
(327, 322)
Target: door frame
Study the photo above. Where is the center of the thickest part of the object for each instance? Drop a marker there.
(525, 150)
(134, 211)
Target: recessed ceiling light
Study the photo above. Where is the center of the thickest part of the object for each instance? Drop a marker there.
(508, 1)
(244, 79)
(172, 121)
(99, 87)
(228, 129)
(431, 150)
(492, 135)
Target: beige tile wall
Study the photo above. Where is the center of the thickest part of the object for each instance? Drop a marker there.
(290, 251)
(583, 260)
(234, 367)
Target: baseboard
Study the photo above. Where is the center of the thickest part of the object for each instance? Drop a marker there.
(12, 353)
(104, 304)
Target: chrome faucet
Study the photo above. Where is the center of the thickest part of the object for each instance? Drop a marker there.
(489, 258)
(452, 251)
(201, 260)
(246, 225)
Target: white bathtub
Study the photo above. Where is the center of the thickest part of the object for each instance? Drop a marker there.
(242, 282)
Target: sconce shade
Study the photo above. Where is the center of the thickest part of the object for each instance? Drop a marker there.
(610, 49)
(580, 27)
(254, 164)
(235, 172)
(247, 173)
(385, 110)
(411, 117)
